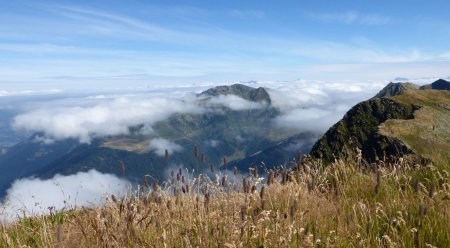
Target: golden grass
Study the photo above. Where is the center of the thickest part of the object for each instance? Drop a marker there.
(343, 205)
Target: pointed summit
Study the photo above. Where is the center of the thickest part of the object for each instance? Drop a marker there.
(393, 89)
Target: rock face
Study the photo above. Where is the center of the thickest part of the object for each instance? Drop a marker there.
(393, 89)
(440, 84)
(359, 128)
(248, 93)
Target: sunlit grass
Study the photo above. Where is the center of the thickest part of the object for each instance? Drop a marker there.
(397, 205)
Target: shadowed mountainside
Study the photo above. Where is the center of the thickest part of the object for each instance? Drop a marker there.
(440, 84)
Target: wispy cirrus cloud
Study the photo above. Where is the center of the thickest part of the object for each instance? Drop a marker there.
(48, 48)
(335, 51)
(349, 17)
(105, 23)
(62, 43)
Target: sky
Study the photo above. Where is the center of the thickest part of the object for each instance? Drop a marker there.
(60, 45)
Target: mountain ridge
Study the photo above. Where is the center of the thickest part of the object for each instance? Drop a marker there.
(412, 123)
(246, 92)
(393, 89)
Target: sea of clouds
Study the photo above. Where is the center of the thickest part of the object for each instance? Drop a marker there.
(33, 197)
(305, 105)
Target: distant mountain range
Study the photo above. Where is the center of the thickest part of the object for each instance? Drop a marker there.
(244, 137)
(248, 93)
(402, 120)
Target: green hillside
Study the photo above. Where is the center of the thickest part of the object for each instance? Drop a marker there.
(428, 133)
(414, 124)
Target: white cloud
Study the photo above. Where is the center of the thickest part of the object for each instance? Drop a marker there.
(330, 51)
(305, 105)
(297, 145)
(350, 17)
(113, 24)
(110, 118)
(370, 72)
(159, 146)
(302, 103)
(374, 19)
(309, 119)
(48, 48)
(316, 105)
(292, 95)
(43, 139)
(234, 102)
(32, 196)
(29, 92)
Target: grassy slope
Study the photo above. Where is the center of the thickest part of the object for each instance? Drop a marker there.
(429, 132)
(341, 205)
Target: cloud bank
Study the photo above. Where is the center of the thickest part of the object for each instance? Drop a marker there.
(304, 105)
(88, 117)
(32, 196)
(110, 118)
(234, 102)
(316, 105)
(159, 146)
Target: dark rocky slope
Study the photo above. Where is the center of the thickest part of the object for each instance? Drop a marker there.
(440, 84)
(359, 128)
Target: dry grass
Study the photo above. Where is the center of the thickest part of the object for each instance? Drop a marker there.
(343, 205)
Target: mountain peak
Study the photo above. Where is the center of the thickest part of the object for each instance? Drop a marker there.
(246, 92)
(393, 89)
(440, 84)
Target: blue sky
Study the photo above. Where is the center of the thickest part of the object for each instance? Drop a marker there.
(78, 44)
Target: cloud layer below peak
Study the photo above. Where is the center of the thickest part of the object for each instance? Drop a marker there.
(110, 118)
(33, 196)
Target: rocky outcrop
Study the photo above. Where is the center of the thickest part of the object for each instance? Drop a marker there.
(248, 93)
(359, 129)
